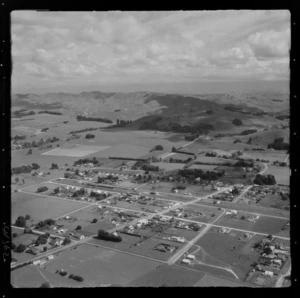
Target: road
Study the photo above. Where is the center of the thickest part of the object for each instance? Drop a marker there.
(281, 279)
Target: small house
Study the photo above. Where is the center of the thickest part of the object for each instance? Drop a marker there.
(186, 261)
(191, 257)
(269, 273)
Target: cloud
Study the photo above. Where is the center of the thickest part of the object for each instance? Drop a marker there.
(82, 48)
(270, 44)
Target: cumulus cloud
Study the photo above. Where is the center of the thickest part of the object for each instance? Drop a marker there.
(270, 43)
(82, 48)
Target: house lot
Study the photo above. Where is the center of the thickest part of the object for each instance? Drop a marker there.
(224, 249)
(196, 213)
(263, 224)
(40, 207)
(100, 266)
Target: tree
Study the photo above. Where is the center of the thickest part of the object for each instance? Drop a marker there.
(27, 216)
(66, 241)
(42, 189)
(13, 246)
(237, 122)
(42, 239)
(94, 220)
(56, 190)
(14, 235)
(29, 151)
(20, 248)
(45, 285)
(20, 222)
(35, 166)
(17, 179)
(27, 230)
(78, 228)
(45, 248)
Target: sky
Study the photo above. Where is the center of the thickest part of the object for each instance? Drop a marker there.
(162, 51)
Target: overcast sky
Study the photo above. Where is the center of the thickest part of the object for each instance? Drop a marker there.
(189, 51)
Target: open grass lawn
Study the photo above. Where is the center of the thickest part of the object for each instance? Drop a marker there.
(169, 166)
(100, 265)
(247, 208)
(39, 207)
(271, 225)
(213, 281)
(282, 174)
(84, 219)
(170, 276)
(187, 234)
(78, 151)
(227, 249)
(203, 167)
(263, 224)
(26, 277)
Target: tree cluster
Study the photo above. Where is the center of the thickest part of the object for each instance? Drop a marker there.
(83, 118)
(279, 144)
(192, 174)
(264, 179)
(89, 136)
(248, 132)
(237, 122)
(42, 189)
(157, 147)
(108, 236)
(145, 166)
(24, 169)
(86, 160)
(76, 277)
(45, 224)
(50, 112)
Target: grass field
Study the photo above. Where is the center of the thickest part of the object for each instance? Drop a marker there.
(78, 151)
(169, 166)
(170, 276)
(282, 174)
(84, 218)
(263, 224)
(203, 167)
(100, 265)
(227, 249)
(213, 281)
(26, 277)
(39, 207)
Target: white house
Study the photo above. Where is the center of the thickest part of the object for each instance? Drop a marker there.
(191, 257)
(269, 273)
(186, 261)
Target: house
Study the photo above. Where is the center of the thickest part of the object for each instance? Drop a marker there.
(269, 273)
(62, 231)
(34, 250)
(51, 257)
(36, 262)
(56, 241)
(191, 257)
(78, 236)
(186, 261)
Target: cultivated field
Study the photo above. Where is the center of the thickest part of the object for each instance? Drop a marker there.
(282, 174)
(40, 207)
(78, 151)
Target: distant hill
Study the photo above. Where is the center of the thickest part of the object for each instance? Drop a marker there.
(215, 110)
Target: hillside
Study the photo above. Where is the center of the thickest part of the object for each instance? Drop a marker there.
(208, 110)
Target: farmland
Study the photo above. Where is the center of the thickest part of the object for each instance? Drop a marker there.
(40, 207)
(175, 230)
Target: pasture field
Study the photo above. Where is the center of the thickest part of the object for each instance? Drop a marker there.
(269, 155)
(84, 218)
(170, 276)
(144, 248)
(166, 187)
(169, 166)
(282, 174)
(203, 167)
(99, 265)
(263, 224)
(274, 201)
(40, 207)
(206, 215)
(247, 208)
(78, 151)
(235, 254)
(26, 277)
(213, 281)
